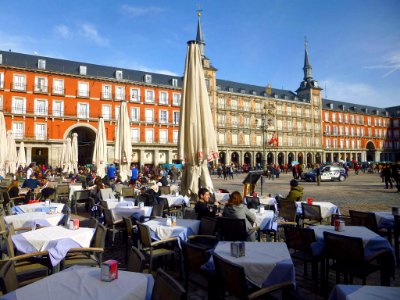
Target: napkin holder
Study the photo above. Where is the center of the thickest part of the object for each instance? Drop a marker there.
(141, 204)
(238, 249)
(109, 270)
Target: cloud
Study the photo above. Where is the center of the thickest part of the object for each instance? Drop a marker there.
(63, 31)
(135, 11)
(391, 63)
(355, 92)
(90, 32)
(17, 43)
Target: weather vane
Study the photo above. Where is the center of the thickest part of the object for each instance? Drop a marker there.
(199, 10)
(305, 42)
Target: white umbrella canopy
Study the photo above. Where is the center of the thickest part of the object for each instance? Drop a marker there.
(123, 143)
(100, 149)
(62, 156)
(197, 140)
(21, 157)
(3, 142)
(11, 162)
(68, 168)
(74, 156)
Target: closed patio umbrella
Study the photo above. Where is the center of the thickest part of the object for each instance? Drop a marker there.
(62, 156)
(74, 156)
(3, 142)
(67, 163)
(21, 158)
(197, 140)
(100, 149)
(11, 162)
(123, 143)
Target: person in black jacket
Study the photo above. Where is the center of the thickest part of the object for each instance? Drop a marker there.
(202, 207)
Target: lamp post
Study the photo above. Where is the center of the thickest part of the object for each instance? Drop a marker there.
(267, 120)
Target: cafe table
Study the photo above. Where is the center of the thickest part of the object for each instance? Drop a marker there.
(57, 240)
(265, 220)
(159, 230)
(264, 264)
(82, 283)
(112, 203)
(327, 208)
(364, 292)
(39, 206)
(128, 211)
(384, 220)
(31, 219)
(176, 200)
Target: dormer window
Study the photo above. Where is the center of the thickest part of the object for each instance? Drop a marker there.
(254, 92)
(366, 110)
(218, 87)
(118, 75)
(265, 94)
(1, 59)
(275, 96)
(331, 105)
(387, 114)
(230, 89)
(296, 98)
(343, 107)
(242, 91)
(174, 82)
(41, 64)
(377, 112)
(82, 70)
(147, 78)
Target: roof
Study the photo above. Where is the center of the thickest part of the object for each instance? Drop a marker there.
(72, 67)
(328, 104)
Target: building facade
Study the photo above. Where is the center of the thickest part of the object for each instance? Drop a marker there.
(45, 100)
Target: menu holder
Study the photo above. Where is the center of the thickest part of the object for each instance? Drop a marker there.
(109, 270)
(238, 249)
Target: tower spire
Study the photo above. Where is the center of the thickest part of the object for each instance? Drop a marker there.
(199, 36)
(307, 67)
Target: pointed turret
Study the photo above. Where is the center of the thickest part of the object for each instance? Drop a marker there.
(308, 81)
(199, 36)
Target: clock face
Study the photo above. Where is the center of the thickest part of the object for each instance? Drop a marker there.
(315, 84)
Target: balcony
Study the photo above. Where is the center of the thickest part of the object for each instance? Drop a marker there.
(149, 120)
(58, 91)
(18, 87)
(135, 140)
(83, 94)
(40, 89)
(106, 96)
(163, 140)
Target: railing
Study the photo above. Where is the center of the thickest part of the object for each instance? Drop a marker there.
(106, 96)
(83, 93)
(16, 86)
(58, 91)
(40, 88)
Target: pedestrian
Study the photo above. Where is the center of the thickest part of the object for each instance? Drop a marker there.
(387, 176)
(318, 174)
(396, 176)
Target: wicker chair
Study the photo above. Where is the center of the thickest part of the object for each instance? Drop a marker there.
(136, 261)
(206, 237)
(8, 277)
(165, 287)
(311, 214)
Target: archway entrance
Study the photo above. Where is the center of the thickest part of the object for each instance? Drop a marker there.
(247, 158)
(222, 158)
(370, 151)
(318, 158)
(235, 158)
(258, 159)
(270, 158)
(280, 158)
(86, 138)
(300, 158)
(309, 159)
(290, 157)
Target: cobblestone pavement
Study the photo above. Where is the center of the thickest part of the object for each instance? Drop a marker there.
(362, 192)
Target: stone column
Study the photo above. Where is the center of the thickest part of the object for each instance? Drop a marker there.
(141, 158)
(156, 157)
(169, 158)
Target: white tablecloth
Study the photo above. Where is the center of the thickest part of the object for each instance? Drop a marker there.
(221, 197)
(183, 229)
(265, 220)
(32, 219)
(111, 203)
(264, 264)
(384, 219)
(176, 200)
(57, 240)
(39, 207)
(327, 208)
(364, 292)
(82, 283)
(120, 212)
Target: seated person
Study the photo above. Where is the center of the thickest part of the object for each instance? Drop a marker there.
(31, 182)
(236, 209)
(13, 189)
(202, 207)
(296, 191)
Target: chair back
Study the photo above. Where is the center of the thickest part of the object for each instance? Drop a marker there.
(287, 210)
(144, 235)
(193, 256)
(62, 190)
(361, 218)
(231, 277)
(128, 226)
(252, 202)
(8, 277)
(232, 229)
(99, 240)
(128, 192)
(107, 193)
(189, 213)
(346, 219)
(92, 223)
(64, 220)
(157, 210)
(82, 195)
(299, 239)
(208, 226)
(166, 287)
(164, 202)
(108, 218)
(9, 245)
(136, 260)
(311, 212)
(346, 250)
(165, 190)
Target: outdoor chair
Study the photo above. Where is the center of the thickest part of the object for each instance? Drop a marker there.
(106, 194)
(62, 193)
(92, 256)
(311, 214)
(368, 219)
(128, 192)
(129, 235)
(346, 219)
(112, 226)
(136, 260)
(8, 277)
(189, 213)
(166, 287)
(232, 229)
(13, 201)
(206, 237)
(253, 202)
(89, 223)
(82, 196)
(232, 279)
(152, 250)
(165, 190)
(397, 237)
(287, 212)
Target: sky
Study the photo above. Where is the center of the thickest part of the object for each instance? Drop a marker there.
(354, 45)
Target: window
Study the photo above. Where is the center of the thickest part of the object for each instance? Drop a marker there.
(358, 131)
(147, 78)
(1, 59)
(135, 135)
(289, 110)
(341, 144)
(106, 112)
(40, 107)
(163, 116)
(328, 129)
(234, 138)
(335, 144)
(246, 106)
(18, 130)
(352, 131)
(176, 99)
(119, 93)
(176, 117)
(82, 70)
(118, 75)
(221, 102)
(234, 121)
(116, 112)
(326, 116)
(41, 64)
(234, 104)
(174, 82)
(149, 115)
(149, 135)
(106, 92)
(258, 140)
(340, 118)
(328, 143)
(258, 107)
(135, 95)
(298, 111)
(352, 119)
(19, 82)
(163, 98)
(353, 144)
(289, 125)
(369, 121)
(299, 127)
(83, 110)
(246, 122)
(83, 89)
(369, 131)
(221, 120)
(175, 135)
(346, 118)
(18, 105)
(41, 84)
(307, 113)
(58, 108)
(1, 102)
(40, 131)
(362, 132)
(290, 141)
(335, 130)
(358, 144)
(149, 96)
(221, 138)
(163, 136)
(333, 117)
(58, 86)
(247, 139)
(1, 80)
(135, 114)
(279, 124)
